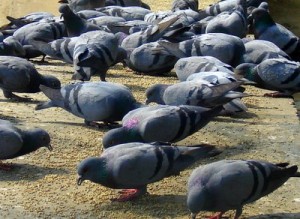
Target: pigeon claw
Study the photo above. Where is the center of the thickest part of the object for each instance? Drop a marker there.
(128, 195)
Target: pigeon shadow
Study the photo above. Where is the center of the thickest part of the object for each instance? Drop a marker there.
(145, 206)
(29, 101)
(100, 126)
(10, 118)
(277, 216)
(28, 172)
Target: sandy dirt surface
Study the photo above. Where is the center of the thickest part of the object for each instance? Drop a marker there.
(43, 184)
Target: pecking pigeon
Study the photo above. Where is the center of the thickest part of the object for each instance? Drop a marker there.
(15, 142)
(133, 166)
(230, 184)
(19, 75)
(274, 74)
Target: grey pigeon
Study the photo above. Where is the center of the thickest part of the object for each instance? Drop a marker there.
(265, 28)
(159, 123)
(79, 5)
(19, 75)
(94, 53)
(184, 67)
(260, 50)
(127, 3)
(185, 4)
(232, 22)
(194, 93)
(274, 74)
(151, 58)
(151, 34)
(62, 49)
(105, 21)
(75, 25)
(15, 142)
(230, 184)
(128, 13)
(229, 5)
(93, 101)
(216, 78)
(38, 31)
(226, 48)
(133, 166)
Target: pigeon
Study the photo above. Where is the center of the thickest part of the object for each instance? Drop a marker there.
(230, 22)
(19, 75)
(151, 58)
(185, 67)
(279, 74)
(15, 142)
(226, 48)
(216, 78)
(230, 184)
(133, 166)
(185, 4)
(260, 50)
(62, 49)
(151, 34)
(194, 93)
(229, 5)
(75, 25)
(94, 53)
(265, 28)
(105, 21)
(39, 31)
(128, 27)
(159, 123)
(93, 101)
(127, 3)
(128, 13)
(79, 5)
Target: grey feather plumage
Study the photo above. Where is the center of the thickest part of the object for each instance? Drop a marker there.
(160, 123)
(93, 101)
(135, 165)
(226, 48)
(230, 184)
(15, 142)
(19, 75)
(185, 67)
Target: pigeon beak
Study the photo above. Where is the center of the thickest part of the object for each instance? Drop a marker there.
(79, 180)
(50, 148)
(147, 102)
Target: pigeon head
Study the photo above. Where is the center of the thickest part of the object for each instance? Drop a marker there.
(64, 9)
(50, 81)
(155, 93)
(246, 70)
(261, 19)
(35, 139)
(93, 169)
(119, 136)
(195, 202)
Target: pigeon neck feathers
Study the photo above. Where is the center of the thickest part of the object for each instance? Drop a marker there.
(95, 170)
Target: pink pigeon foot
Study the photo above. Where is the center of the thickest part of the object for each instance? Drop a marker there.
(277, 95)
(129, 195)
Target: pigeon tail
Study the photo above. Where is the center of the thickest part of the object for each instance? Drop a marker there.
(52, 94)
(44, 105)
